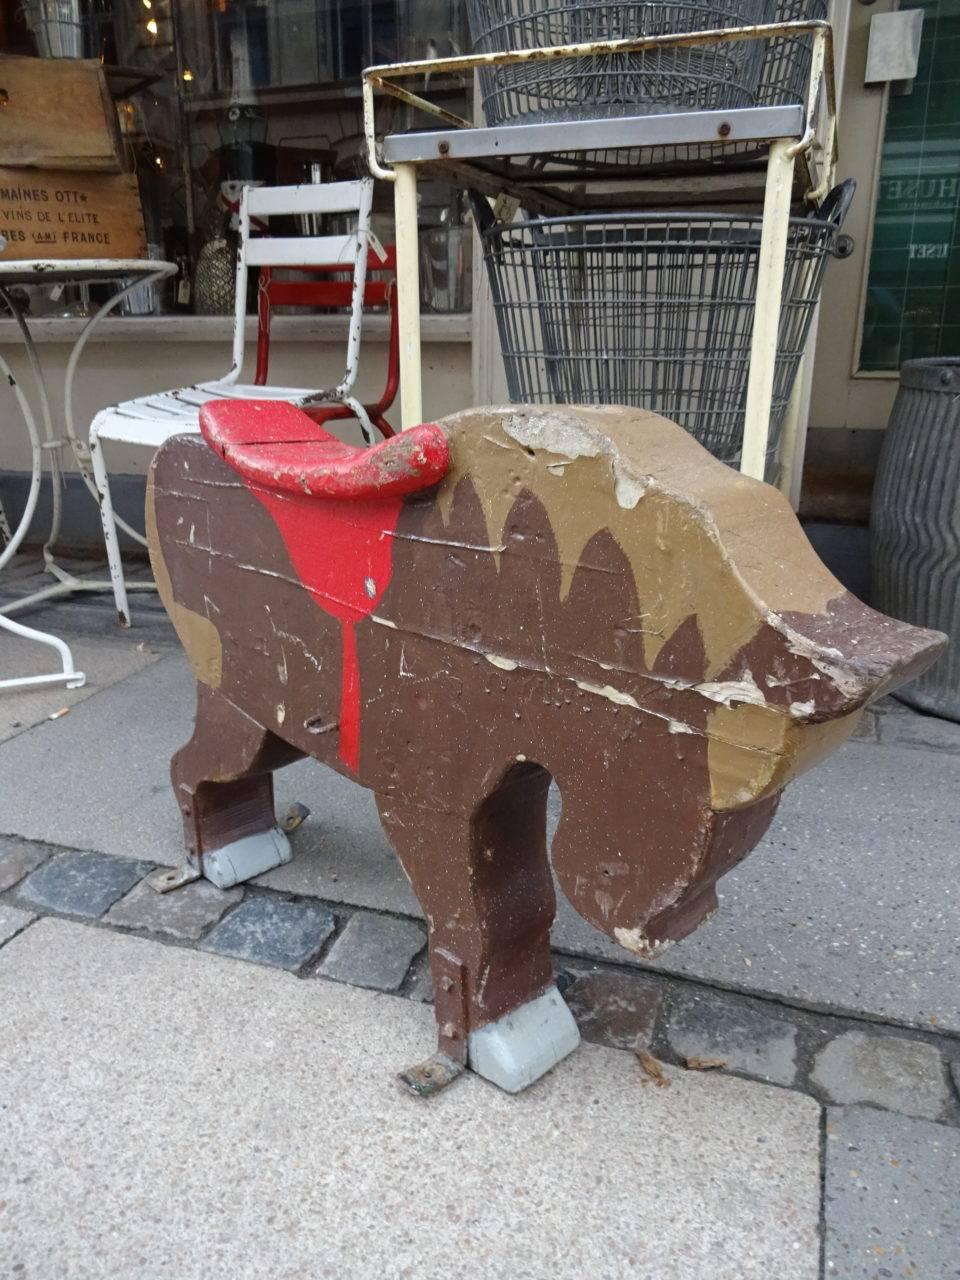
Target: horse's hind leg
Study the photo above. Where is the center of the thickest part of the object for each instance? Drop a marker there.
(223, 783)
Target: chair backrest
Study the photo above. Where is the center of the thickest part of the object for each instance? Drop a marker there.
(329, 285)
(347, 252)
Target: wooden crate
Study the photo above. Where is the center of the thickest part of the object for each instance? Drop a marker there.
(48, 213)
(57, 113)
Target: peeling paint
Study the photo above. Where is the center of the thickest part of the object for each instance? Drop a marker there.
(610, 693)
(504, 664)
(636, 940)
(728, 691)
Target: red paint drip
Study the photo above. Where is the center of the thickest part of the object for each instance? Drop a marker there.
(350, 698)
(340, 542)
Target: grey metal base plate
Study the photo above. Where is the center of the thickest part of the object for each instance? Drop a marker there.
(523, 1045)
(243, 859)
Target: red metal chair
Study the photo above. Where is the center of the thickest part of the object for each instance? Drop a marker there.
(334, 289)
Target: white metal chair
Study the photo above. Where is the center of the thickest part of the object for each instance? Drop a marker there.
(153, 419)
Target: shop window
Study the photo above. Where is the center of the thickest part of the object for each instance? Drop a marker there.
(218, 93)
(912, 306)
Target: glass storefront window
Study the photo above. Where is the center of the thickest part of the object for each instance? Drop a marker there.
(913, 291)
(226, 92)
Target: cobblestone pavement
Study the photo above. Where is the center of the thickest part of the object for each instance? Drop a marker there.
(889, 1088)
(837, 1060)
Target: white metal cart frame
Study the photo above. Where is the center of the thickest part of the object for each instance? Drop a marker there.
(468, 155)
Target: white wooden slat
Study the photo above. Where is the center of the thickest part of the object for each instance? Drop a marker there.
(315, 197)
(301, 251)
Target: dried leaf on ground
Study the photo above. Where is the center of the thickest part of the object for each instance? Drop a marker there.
(705, 1064)
(653, 1068)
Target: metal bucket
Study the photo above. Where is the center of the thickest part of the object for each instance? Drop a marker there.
(915, 522)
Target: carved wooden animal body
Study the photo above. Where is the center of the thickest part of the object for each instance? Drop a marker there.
(585, 595)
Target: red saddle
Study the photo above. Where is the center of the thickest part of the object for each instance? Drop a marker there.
(273, 444)
(342, 548)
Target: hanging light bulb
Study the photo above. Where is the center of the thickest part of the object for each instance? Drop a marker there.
(152, 27)
(148, 4)
(187, 74)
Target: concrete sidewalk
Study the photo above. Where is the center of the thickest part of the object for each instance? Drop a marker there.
(167, 1113)
(129, 1068)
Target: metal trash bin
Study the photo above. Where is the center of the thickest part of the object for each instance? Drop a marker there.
(915, 522)
(653, 309)
(699, 77)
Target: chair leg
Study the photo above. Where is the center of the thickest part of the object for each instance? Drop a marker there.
(110, 536)
(362, 417)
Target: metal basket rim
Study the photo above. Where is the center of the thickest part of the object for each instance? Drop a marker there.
(701, 218)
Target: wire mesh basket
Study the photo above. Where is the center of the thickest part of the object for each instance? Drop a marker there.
(654, 310)
(721, 76)
(786, 62)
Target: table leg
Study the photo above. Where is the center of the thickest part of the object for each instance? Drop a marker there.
(68, 673)
(66, 582)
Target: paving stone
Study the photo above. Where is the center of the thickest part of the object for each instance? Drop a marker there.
(12, 920)
(374, 951)
(184, 913)
(745, 1039)
(272, 931)
(81, 884)
(892, 1197)
(421, 984)
(955, 1075)
(18, 859)
(616, 1009)
(888, 1071)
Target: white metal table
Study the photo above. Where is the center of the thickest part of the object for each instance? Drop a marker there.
(131, 273)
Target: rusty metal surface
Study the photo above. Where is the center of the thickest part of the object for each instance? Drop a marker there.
(816, 148)
(430, 1077)
(685, 39)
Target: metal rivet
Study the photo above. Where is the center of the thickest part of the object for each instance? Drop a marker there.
(724, 129)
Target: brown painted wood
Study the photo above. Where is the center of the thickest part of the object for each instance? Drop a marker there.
(47, 213)
(587, 596)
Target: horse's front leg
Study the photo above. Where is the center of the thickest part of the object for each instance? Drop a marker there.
(485, 886)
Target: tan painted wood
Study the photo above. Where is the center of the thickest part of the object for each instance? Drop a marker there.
(57, 113)
(57, 214)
